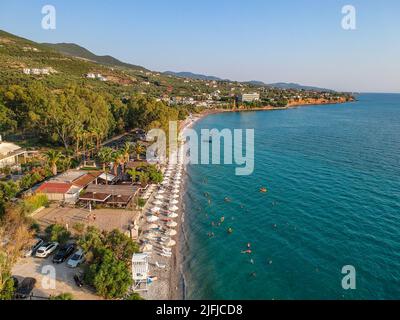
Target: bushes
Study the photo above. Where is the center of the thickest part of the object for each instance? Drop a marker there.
(109, 261)
(58, 233)
(35, 202)
(110, 277)
(63, 296)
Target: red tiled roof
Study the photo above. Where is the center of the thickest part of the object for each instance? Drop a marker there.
(86, 179)
(52, 187)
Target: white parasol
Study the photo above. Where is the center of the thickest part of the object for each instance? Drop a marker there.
(174, 202)
(171, 243)
(173, 208)
(171, 232)
(152, 219)
(173, 216)
(155, 209)
(172, 224)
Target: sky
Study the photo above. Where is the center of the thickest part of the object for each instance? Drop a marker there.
(298, 41)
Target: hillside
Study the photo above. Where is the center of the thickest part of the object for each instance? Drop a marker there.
(74, 50)
(190, 75)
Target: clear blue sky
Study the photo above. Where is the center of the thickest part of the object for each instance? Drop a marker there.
(287, 40)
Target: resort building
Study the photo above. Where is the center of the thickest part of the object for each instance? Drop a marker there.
(68, 186)
(249, 97)
(10, 154)
(119, 196)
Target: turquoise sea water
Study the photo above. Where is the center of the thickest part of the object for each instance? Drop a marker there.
(333, 174)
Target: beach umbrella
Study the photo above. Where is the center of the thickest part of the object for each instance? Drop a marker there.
(152, 219)
(147, 247)
(173, 208)
(164, 183)
(153, 226)
(174, 202)
(175, 196)
(158, 202)
(175, 191)
(171, 232)
(172, 224)
(161, 191)
(171, 243)
(159, 197)
(155, 209)
(173, 216)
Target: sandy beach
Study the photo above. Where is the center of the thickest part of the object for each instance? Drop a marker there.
(169, 283)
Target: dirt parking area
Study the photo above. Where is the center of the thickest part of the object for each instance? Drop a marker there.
(40, 269)
(103, 219)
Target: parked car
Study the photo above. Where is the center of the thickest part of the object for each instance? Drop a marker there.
(78, 280)
(47, 249)
(33, 249)
(25, 288)
(77, 259)
(64, 253)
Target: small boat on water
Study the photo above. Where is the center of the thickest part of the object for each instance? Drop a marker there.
(263, 190)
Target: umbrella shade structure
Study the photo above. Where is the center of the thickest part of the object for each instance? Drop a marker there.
(152, 219)
(174, 202)
(173, 208)
(161, 191)
(172, 224)
(158, 202)
(156, 209)
(173, 216)
(153, 226)
(164, 183)
(175, 191)
(171, 232)
(170, 243)
(146, 248)
(175, 196)
(159, 197)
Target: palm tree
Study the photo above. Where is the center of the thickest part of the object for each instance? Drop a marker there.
(127, 150)
(105, 156)
(118, 159)
(139, 149)
(53, 157)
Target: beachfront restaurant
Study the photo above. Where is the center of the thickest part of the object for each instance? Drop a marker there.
(116, 196)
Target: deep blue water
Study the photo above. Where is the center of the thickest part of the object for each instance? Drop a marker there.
(333, 174)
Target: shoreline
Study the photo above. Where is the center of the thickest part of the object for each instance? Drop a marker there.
(175, 287)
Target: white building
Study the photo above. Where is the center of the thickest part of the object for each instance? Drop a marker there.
(249, 97)
(10, 153)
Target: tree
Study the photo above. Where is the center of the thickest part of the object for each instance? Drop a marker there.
(53, 157)
(122, 246)
(110, 277)
(58, 233)
(127, 150)
(139, 149)
(118, 159)
(105, 156)
(15, 238)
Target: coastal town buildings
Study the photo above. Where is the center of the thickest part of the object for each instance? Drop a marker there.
(249, 97)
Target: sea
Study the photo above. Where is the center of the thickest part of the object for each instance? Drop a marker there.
(328, 226)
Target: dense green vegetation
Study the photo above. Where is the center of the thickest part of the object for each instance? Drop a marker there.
(108, 261)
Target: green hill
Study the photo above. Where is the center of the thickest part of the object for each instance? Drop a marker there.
(74, 50)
